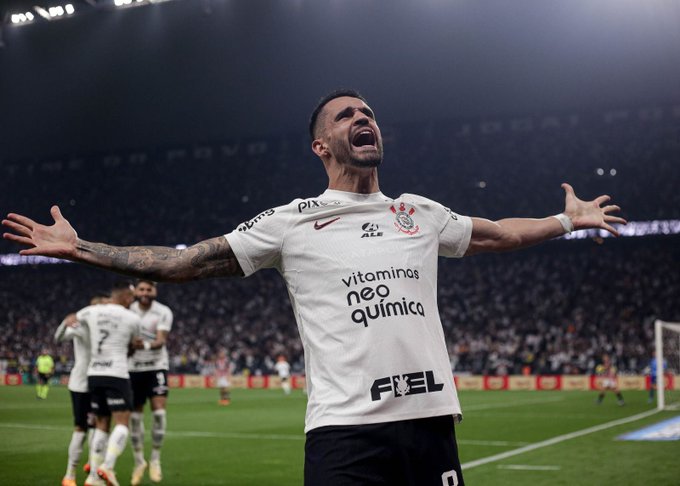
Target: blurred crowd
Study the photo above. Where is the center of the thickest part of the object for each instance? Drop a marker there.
(551, 309)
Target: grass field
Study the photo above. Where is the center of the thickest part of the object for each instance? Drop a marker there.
(258, 440)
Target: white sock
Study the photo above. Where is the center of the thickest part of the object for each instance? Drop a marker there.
(286, 387)
(116, 444)
(99, 441)
(90, 434)
(75, 449)
(137, 436)
(158, 433)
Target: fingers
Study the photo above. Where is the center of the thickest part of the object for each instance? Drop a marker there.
(568, 189)
(56, 213)
(17, 228)
(610, 208)
(602, 199)
(615, 219)
(28, 222)
(22, 240)
(611, 229)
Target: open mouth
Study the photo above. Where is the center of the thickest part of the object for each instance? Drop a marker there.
(363, 138)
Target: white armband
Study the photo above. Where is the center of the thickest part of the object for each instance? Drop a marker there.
(565, 221)
(147, 345)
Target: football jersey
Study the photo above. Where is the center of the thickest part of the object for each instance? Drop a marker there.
(111, 328)
(361, 273)
(157, 318)
(80, 335)
(282, 368)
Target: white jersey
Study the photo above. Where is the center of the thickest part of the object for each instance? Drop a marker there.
(80, 335)
(112, 327)
(361, 272)
(157, 318)
(282, 368)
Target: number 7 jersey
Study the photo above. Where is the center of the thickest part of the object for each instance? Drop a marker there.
(112, 328)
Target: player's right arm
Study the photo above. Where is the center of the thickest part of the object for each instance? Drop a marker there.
(210, 258)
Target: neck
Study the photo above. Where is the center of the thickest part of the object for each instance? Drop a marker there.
(342, 177)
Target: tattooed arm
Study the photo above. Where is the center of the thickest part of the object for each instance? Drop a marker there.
(209, 258)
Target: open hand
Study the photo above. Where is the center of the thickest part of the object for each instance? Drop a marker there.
(58, 240)
(590, 214)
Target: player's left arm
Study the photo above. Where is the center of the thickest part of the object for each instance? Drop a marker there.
(514, 233)
(159, 342)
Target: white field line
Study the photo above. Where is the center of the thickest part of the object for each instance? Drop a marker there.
(557, 440)
(499, 443)
(526, 467)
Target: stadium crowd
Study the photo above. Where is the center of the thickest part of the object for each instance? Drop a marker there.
(552, 309)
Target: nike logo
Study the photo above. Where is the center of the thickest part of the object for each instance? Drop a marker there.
(318, 226)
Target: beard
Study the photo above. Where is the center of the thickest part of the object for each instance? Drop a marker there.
(366, 160)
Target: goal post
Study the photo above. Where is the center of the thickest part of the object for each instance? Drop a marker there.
(667, 355)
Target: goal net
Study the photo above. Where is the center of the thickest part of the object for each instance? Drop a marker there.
(667, 357)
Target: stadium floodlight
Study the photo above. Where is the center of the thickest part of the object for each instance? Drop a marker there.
(21, 18)
(69, 9)
(667, 357)
(57, 11)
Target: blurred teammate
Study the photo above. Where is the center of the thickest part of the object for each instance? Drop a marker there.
(361, 271)
(149, 378)
(609, 382)
(283, 369)
(652, 371)
(223, 376)
(113, 329)
(44, 367)
(71, 329)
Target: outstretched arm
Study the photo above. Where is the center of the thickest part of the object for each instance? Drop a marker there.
(209, 258)
(514, 233)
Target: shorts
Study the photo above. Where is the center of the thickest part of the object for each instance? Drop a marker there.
(82, 410)
(109, 394)
(609, 384)
(148, 384)
(43, 378)
(419, 452)
(223, 382)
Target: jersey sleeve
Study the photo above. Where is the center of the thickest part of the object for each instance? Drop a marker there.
(165, 323)
(454, 237)
(257, 243)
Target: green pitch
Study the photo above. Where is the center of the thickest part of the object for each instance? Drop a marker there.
(258, 439)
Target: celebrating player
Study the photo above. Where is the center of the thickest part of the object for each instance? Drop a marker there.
(223, 376)
(149, 378)
(377, 366)
(112, 331)
(70, 329)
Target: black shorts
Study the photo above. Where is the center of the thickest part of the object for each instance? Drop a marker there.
(109, 394)
(420, 452)
(43, 378)
(82, 410)
(148, 384)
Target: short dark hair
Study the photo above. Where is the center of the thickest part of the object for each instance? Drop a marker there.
(338, 93)
(119, 285)
(145, 280)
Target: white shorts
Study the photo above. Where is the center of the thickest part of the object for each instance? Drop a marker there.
(223, 382)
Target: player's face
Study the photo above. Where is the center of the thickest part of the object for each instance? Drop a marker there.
(127, 298)
(145, 293)
(351, 132)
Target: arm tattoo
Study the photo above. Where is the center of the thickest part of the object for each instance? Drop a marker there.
(207, 259)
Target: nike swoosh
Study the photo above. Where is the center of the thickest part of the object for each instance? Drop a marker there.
(318, 226)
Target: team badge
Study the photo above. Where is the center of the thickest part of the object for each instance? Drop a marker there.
(404, 222)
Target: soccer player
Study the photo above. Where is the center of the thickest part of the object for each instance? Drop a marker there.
(283, 369)
(149, 378)
(608, 371)
(651, 370)
(377, 366)
(113, 330)
(70, 329)
(44, 367)
(223, 376)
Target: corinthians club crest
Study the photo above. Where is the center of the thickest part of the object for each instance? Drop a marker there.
(404, 222)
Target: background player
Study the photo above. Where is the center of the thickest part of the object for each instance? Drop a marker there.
(223, 370)
(609, 382)
(44, 367)
(283, 369)
(71, 329)
(652, 371)
(149, 378)
(113, 329)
